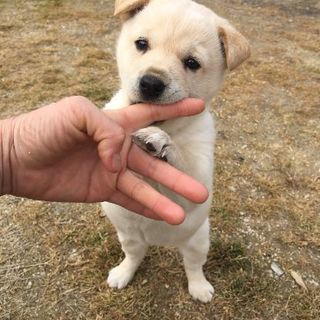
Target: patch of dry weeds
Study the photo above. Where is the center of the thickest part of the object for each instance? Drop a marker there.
(54, 257)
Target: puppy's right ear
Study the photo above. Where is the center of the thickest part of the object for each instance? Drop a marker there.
(125, 9)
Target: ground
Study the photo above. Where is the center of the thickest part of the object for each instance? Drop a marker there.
(54, 257)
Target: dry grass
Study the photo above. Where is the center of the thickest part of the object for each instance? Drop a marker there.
(54, 257)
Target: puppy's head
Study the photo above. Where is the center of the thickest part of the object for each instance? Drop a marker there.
(173, 49)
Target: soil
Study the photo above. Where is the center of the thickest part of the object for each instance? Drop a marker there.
(54, 257)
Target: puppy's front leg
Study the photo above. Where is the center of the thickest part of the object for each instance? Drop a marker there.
(158, 143)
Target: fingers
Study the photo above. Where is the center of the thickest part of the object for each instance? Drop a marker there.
(108, 129)
(112, 133)
(140, 115)
(143, 193)
(163, 173)
(132, 205)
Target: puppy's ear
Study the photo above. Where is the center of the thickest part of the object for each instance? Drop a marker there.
(125, 9)
(234, 45)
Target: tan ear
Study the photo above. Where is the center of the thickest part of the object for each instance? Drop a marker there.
(236, 46)
(126, 8)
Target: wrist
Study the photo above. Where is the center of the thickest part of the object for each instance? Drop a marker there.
(6, 156)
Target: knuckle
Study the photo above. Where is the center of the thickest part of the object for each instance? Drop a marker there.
(76, 101)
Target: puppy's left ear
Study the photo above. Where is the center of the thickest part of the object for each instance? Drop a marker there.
(125, 9)
(235, 46)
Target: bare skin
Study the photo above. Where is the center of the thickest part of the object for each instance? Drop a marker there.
(72, 151)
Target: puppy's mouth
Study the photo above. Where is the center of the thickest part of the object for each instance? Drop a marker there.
(164, 103)
(165, 100)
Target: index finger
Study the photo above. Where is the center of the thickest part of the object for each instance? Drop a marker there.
(140, 115)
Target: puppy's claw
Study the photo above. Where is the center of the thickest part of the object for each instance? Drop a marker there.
(156, 142)
(150, 147)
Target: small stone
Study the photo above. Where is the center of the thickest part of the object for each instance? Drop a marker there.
(276, 269)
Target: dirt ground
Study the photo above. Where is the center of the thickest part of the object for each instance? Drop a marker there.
(54, 257)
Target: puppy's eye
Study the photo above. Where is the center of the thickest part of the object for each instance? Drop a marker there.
(191, 63)
(142, 44)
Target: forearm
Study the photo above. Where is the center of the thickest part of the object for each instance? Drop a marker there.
(6, 156)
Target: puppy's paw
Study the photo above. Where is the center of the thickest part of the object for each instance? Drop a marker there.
(201, 290)
(156, 142)
(119, 277)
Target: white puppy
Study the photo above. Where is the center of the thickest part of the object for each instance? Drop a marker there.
(169, 50)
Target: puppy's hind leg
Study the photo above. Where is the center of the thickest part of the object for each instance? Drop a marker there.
(135, 250)
(194, 252)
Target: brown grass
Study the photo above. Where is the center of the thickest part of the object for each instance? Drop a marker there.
(54, 257)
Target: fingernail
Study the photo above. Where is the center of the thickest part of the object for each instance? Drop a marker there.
(116, 162)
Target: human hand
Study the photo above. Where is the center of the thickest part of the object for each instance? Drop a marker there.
(72, 151)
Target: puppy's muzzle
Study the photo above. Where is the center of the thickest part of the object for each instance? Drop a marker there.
(151, 87)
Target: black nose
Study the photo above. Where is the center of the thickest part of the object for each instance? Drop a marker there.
(151, 87)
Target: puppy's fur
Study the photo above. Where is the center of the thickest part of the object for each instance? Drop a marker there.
(169, 50)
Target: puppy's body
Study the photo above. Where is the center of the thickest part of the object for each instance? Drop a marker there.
(170, 50)
(193, 139)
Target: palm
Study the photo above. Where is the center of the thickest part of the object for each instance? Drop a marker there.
(78, 170)
(84, 175)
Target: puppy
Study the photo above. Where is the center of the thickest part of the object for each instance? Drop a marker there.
(169, 50)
